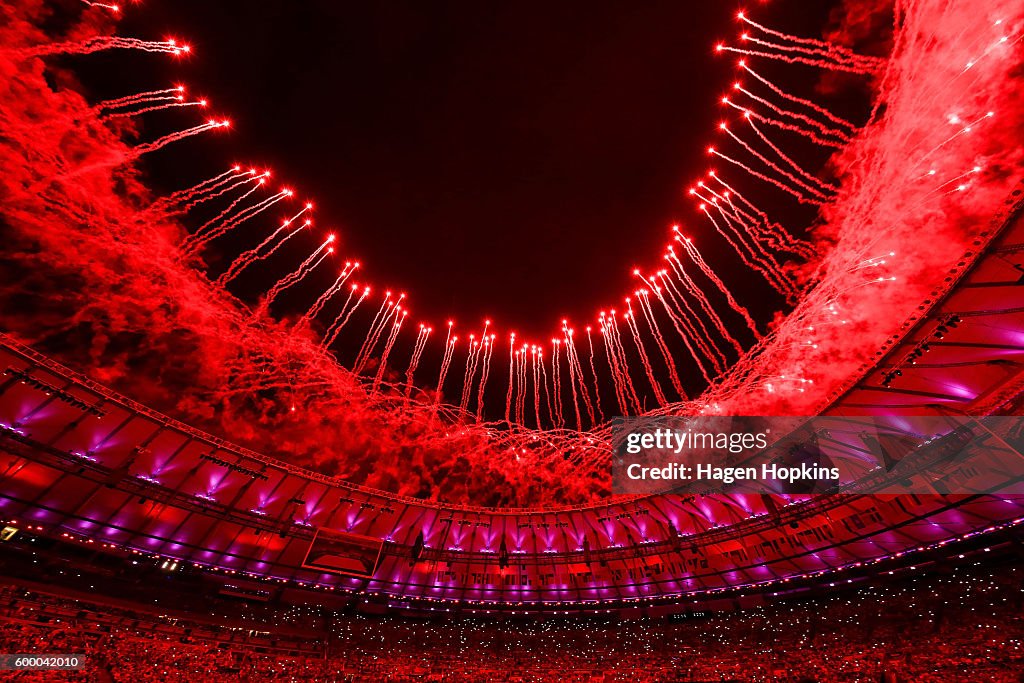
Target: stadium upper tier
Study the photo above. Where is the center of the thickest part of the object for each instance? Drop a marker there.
(86, 464)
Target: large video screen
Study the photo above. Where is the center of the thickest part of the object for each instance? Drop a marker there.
(343, 553)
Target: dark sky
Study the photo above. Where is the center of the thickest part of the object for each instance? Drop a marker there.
(510, 159)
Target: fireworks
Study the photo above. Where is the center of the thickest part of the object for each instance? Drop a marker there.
(343, 316)
(146, 148)
(101, 43)
(300, 273)
(211, 188)
(318, 305)
(225, 221)
(919, 165)
(417, 352)
(799, 50)
(264, 249)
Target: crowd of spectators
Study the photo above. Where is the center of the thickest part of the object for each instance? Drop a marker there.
(965, 625)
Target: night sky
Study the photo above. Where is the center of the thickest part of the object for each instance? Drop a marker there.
(511, 160)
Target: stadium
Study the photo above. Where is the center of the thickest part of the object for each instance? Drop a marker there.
(231, 450)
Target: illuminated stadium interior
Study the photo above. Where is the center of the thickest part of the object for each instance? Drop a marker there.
(233, 451)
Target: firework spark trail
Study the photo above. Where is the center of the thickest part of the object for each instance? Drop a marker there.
(553, 406)
(819, 127)
(800, 197)
(515, 387)
(373, 333)
(466, 377)
(329, 293)
(449, 349)
(536, 385)
(963, 131)
(342, 317)
(771, 229)
(476, 348)
(556, 379)
(593, 374)
(659, 395)
(824, 64)
(823, 187)
(417, 354)
(481, 357)
(572, 383)
(480, 362)
(511, 379)
(588, 403)
(810, 104)
(174, 93)
(547, 389)
(220, 189)
(811, 135)
(816, 194)
(393, 310)
(873, 262)
(758, 252)
(145, 148)
(100, 43)
(1002, 42)
(103, 5)
(199, 240)
(723, 197)
(756, 228)
(227, 211)
(701, 298)
(759, 226)
(165, 94)
(760, 236)
(736, 242)
(613, 365)
(695, 256)
(299, 274)
(233, 173)
(524, 385)
(251, 256)
(388, 346)
(959, 188)
(683, 324)
(576, 376)
(678, 323)
(674, 298)
(836, 293)
(154, 107)
(868, 65)
(659, 338)
(627, 375)
(469, 373)
(801, 40)
(686, 331)
(180, 197)
(666, 354)
(484, 374)
(517, 394)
